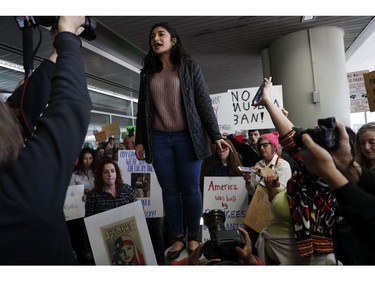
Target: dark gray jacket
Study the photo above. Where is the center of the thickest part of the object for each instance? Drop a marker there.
(200, 116)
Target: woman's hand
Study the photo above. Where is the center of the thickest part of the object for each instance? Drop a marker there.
(71, 24)
(140, 152)
(221, 144)
(246, 253)
(266, 92)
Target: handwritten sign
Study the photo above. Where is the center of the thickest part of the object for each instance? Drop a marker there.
(228, 194)
(221, 103)
(74, 207)
(357, 91)
(112, 129)
(259, 215)
(141, 176)
(248, 117)
(100, 136)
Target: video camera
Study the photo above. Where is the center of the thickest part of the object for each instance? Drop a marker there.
(48, 21)
(223, 242)
(326, 134)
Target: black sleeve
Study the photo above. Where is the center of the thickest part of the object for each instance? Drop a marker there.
(367, 180)
(357, 208)
(44, 167)
(36, 95)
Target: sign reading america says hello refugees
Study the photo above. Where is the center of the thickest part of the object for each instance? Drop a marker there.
(141, 176)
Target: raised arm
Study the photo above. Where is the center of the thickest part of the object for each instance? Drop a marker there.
(281, 122)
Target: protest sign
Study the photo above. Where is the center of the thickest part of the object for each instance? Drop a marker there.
(357, 91)
(141, 176)
(246, 116)
(74, 207)
(259, 215)
(222, 105)
(113, 232)
(228, 194)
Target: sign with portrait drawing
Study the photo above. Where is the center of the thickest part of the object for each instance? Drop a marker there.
(120, 236)
(248, 117)
(141, 176)
(228, 194)
(74, 207)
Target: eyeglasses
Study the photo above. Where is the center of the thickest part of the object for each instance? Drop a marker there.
(264, 145)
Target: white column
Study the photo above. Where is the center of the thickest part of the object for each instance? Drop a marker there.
(307, 61)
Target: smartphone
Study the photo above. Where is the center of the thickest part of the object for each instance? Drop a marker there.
(24, 22)
(246, 169)
(259, 93)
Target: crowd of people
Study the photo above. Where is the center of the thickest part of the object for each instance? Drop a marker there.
(321, 199)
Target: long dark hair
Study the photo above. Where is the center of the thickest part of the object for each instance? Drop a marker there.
(152, 63)
(80, 167)
(99, 183)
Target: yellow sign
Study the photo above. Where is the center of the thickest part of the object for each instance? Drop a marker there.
(111, 129)
(370, 89)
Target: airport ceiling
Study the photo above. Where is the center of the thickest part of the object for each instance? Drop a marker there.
(228, 48)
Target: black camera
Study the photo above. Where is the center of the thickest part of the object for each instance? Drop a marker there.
(223, 242)
(326, 134)
(48, 21)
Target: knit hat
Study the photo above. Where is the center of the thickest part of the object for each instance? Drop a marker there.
(273, 138)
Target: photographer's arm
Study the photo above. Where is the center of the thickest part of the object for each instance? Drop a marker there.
(320, 162)
(246, 253)
(356, 205)
(343, 157)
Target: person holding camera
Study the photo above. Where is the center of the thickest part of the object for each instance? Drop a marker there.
(303, 233)
(34, 176)
(245, 255)
(352, 185)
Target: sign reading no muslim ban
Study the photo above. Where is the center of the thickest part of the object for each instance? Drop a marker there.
(249, 117)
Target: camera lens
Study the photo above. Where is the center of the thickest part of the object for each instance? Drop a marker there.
(214, 220)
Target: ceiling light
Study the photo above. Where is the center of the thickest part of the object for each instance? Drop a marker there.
(307, 18)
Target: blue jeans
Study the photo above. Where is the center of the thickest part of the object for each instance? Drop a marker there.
(178, 171)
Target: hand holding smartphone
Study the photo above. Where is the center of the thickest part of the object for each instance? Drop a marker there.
(246, 169)
(259, 93)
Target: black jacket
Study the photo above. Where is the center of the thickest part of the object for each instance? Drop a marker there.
(32, 193)
(200, 116)
(356, 205)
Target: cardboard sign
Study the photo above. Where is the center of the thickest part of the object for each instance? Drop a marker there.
(100, 136)
(370, 89)
(112, 129)
(259, 215)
